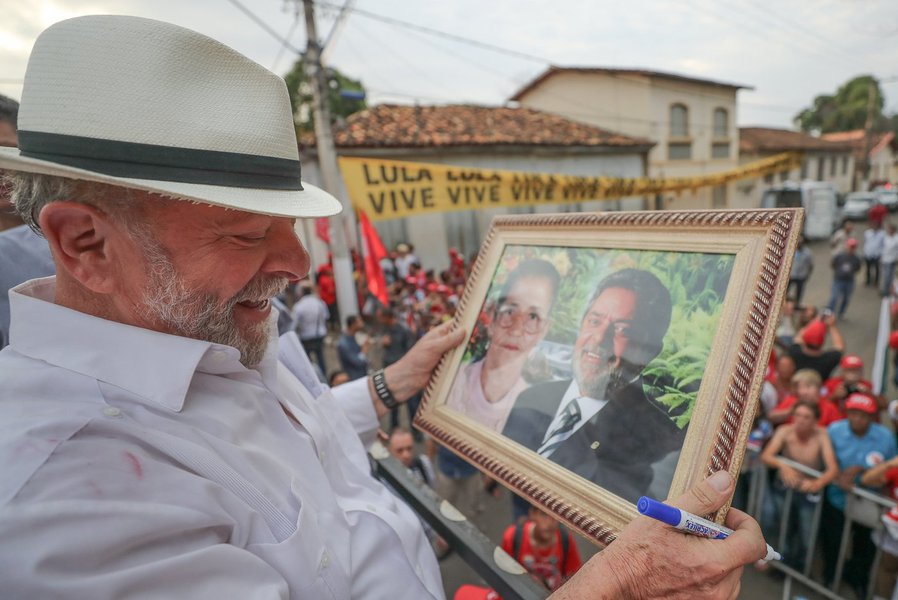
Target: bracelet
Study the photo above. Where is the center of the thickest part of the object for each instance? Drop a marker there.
(382, 391)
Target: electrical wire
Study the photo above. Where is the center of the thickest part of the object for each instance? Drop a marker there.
(286, 43)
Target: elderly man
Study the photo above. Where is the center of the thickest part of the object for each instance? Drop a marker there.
(601, 425)
(153, 445)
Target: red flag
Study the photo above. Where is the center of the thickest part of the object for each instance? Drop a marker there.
(322, 230)
(373, 250)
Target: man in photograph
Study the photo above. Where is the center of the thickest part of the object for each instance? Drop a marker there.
(601, 424)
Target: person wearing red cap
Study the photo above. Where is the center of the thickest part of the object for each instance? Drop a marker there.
(850, 380)
(845, 266)
(807, 349)
(859, 444)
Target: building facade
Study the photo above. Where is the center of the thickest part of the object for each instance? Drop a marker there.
(823, 160)
(882, 157)
(692, 121)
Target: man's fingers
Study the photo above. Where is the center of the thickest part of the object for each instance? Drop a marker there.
(746, 545)
(707, 496)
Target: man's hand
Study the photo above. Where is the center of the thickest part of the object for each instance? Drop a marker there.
(651, 560)
(846, 477)
(411, 372)
(790, 476)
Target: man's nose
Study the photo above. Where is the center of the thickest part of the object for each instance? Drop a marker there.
(287, 257)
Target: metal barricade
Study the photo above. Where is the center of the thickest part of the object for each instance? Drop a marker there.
(862, 507)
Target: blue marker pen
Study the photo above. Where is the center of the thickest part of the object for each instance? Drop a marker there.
(684, 521)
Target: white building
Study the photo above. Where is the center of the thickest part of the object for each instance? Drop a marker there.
(823, 160)
(883, 156)
(692, 121)
(517, 139)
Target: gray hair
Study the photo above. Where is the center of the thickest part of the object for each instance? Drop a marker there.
(31, 192)
(9, 111)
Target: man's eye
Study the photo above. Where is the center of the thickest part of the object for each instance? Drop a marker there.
(621, 328)
(250, 238)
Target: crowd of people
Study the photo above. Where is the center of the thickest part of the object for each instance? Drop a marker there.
(818, 408)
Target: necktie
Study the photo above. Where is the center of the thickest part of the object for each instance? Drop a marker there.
(569, 418)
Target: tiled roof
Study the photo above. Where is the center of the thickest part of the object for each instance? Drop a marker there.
(551, 71)
(767, 139)
(395, 126)
(855, 137)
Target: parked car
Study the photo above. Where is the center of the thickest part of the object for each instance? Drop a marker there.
(857, 205)
(888, 198)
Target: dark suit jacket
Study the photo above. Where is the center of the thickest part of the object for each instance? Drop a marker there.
(615, 449)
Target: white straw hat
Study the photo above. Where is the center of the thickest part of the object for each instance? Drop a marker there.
(152, 106)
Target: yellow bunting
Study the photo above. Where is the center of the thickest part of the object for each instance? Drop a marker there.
(391, 189)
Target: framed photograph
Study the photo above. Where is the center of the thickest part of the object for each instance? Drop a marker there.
(612, 355)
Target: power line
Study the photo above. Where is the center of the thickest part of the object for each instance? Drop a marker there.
(438, 33)
(286, 43)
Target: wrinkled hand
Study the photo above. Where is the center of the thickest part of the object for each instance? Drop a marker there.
(651, 560)
(410, 373)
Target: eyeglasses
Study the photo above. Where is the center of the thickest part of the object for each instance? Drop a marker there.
(531, 321)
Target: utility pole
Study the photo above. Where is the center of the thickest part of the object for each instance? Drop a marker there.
(347, 298)
(868, 126)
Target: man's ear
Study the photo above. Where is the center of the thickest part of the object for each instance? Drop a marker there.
(82, 239)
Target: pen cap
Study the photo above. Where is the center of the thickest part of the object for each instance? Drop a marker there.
(659, 510)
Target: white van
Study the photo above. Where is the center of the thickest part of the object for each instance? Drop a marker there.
(821, 212)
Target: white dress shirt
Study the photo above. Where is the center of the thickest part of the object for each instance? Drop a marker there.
(144, 465)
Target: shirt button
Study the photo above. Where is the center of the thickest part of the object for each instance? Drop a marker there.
(322, 455)
(372, 508)
(111, 411)
(325, 560)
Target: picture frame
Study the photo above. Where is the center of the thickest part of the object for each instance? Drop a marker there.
(594, 332)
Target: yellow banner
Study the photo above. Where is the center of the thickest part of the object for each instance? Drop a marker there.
(391, 189)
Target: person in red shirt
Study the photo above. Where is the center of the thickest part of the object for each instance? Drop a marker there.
(327, 291)
(850, 380)
(805, 387)
(544, 548)
(877, 214)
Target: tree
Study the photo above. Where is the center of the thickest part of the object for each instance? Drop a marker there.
(846, 110)
(345, 95)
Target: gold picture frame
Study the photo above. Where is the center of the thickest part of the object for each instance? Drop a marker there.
(725, 272)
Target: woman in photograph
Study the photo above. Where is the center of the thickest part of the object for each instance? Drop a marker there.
(485, 390)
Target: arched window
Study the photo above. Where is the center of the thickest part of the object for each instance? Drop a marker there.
(720, 139)
(679, 147)
(721, 123)
(679, 121)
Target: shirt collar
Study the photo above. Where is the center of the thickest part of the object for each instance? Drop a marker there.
(158, 367)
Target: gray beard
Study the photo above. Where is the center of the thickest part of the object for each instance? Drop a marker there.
(173, 306)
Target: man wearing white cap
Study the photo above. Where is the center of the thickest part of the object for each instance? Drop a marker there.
(152, 443)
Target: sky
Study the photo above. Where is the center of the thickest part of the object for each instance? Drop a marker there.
(788, 51)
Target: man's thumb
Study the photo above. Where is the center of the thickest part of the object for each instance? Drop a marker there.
(707, 496)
